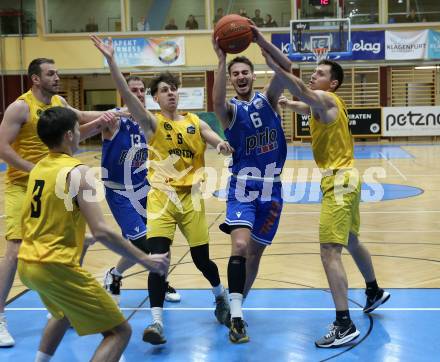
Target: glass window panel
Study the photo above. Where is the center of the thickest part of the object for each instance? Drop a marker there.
(317, 9)
(170, 15)
(361, 11)
(269, 14)
(413, 11)
(10, 19)
(69, 16)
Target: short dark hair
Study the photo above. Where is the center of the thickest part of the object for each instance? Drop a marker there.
(54, 123)
(35, 66)
(240, 59)
(336, 71)
(165, 77)
(135, 78)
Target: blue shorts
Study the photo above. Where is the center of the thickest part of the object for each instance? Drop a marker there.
(256, 205)
(129, 210)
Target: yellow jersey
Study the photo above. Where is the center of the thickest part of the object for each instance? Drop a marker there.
(53, 227)
(27, 144)
(332, 143)
(176, 153)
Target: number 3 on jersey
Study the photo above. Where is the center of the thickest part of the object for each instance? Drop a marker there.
(36, 200)
(256, 120)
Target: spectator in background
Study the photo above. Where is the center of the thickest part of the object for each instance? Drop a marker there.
(243, 13)
(91, 26)
(218, 15)
(191, 23)
(269, 22)
(171, 25)
(257, 19)
(143, 24)
(412, 17)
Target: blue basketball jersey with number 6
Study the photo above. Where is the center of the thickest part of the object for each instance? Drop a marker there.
(256, 134)
(127, 144)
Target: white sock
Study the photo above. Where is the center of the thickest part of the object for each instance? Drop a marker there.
(218, 290)
(122, 359)
(235, 301)
(42, 357)
(156, 313)
(116, 272)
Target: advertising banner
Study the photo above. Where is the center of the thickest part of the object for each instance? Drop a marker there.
(411, 121)
(363, 122)
(152, 52)
(433, 44)
(402, 45)
(367, 45)
(189, 98)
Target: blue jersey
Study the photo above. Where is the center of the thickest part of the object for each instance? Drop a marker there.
(127, 150)
(256, 134)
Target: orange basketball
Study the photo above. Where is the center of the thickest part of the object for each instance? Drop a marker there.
(234, 33)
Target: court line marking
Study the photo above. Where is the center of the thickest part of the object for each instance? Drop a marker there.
(430, 309)
(393, 166)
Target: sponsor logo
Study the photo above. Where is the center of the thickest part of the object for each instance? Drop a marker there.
(191, 130)
(367, 47)
(413, 119)
(262, 142)
(181, 153)
(137, 156)
(168, 137)
(167, 126)
(238, 213)
(374, 128)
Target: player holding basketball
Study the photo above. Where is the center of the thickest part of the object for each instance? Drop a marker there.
(21, 148)
(56, 207)
(124, 155)
(253, 128)
(176, 154)
(333, 151)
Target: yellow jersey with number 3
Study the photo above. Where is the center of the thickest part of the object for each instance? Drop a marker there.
(27, 143)
(332, 143)
(53, 227)
(176, 153)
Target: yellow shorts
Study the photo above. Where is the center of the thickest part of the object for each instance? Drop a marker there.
(340, 216)
(165, 210)
(14, 198)
(73, 293)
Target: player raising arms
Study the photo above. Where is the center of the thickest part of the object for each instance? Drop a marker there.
(333, 151)
(253, 128)
(176, 154)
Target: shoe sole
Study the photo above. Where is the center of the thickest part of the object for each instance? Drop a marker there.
(172, 300)
(239, 341)
(153, 338)
(381, 301)
(7, 345)
(340, 342)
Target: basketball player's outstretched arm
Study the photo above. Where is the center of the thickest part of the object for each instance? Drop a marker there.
(276, 85)
(145, 118)
(222, 109)
(295, 106)
(214, 140)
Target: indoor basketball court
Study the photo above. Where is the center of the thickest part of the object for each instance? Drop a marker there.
(290, 304)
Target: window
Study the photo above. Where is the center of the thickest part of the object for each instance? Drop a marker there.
(83, 16)
(16, 20)
(412, 11)
(149, 15)
(269, 14)
(361, 11)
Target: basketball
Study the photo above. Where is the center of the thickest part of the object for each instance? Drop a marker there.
(234, 33)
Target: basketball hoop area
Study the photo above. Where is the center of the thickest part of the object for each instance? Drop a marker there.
(318, 39)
